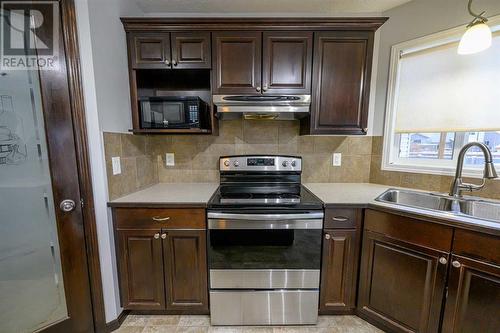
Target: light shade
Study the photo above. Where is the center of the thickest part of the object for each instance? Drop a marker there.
(476, 38)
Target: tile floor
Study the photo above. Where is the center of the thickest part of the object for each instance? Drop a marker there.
(201, 324)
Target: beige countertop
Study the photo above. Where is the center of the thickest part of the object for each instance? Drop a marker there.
(175, 194)
(346, 193)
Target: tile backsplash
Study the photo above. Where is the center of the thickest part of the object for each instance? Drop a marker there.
(196, 157)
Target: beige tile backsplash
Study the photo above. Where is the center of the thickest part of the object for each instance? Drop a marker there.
(196, 157)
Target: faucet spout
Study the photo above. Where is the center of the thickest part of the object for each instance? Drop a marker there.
(489, 170)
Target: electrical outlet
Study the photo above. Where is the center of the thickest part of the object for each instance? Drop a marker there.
(337, 159)
(117, 167)
(169, 159)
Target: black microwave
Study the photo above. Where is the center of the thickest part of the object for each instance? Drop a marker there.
(173, 112)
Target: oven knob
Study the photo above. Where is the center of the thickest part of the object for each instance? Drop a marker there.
(226, 163)
(236, 163)
(285, 163)
(294, 163)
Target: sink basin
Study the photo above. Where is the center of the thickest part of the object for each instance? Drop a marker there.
(466, 206)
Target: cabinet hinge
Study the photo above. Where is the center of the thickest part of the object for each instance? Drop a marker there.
(81, 202)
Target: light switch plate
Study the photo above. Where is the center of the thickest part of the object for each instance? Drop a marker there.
(117, 166)
(169, 159)
(337, 159)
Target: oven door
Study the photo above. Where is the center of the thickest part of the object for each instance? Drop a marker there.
(264, 251)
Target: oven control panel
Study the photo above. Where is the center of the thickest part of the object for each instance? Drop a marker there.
(260, 163)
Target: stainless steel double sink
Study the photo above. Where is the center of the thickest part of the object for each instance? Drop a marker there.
(463, 206)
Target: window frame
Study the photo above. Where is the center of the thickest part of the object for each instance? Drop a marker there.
(390, 151)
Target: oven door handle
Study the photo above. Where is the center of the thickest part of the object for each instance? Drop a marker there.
(265, 221)
(265, 217)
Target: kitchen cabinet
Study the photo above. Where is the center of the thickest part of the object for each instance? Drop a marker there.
(261, 63)
(473, 302)
(162, 259)
(340, 260)
(141, 269)
(341, 83)
(403, 272)
(178, 50)
(184, 255)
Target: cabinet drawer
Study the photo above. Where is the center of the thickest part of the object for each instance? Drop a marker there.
(156, 218)
(477, 245)
(343, 218)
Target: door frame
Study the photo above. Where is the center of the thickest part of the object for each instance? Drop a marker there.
(70, 38)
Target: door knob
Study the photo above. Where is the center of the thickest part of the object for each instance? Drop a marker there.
(163, 236)
(167, 62)
(156, 236)
(67, 205)
(443, 260)
(174, 62)
(327, 236)
(264, 88)
(456, 264)
(258, 88)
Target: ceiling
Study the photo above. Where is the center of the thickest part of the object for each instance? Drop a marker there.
(268, 7)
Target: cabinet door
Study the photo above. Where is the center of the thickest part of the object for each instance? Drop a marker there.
(401, 285)
(191, 50)
(287, 62)
(148, 50)
(141, 269)
(185, 260)
(237, 62)
(339, 271)
(341, 82)
(473, 303)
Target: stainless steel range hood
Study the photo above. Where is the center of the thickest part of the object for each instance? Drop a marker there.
(278, 107)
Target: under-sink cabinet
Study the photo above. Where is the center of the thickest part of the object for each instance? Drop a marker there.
(340, 259)
(162, 259)
(422, 276)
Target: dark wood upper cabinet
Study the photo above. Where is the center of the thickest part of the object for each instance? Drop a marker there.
(287, 62)
(191, 50)
(185, 261)
(473, 303)
(141, 269)
(149, 50)
(237, 62)
(341, 83)
(339, 271)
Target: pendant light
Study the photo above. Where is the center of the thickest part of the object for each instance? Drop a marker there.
(477, 37)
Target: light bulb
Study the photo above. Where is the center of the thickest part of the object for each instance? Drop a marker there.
(477, 38)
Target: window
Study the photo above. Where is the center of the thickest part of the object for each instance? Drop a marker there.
(438, 101)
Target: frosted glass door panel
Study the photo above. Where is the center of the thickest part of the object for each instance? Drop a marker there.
(31, 281)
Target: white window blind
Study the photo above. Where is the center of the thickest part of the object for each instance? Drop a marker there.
(438, 90)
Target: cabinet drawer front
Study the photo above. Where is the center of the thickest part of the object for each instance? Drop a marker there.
(343, 218)
(477, 245)
(157, 218)
(414, 231)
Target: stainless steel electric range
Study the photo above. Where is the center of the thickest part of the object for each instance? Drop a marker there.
(264, 243)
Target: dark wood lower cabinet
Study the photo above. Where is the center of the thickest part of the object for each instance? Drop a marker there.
(184, 255)
(473, 303)
(401, 285)
(141, 269)
(339, 272)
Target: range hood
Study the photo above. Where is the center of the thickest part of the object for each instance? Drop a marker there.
(277, 107)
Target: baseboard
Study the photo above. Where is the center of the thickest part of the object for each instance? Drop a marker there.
(115, 324)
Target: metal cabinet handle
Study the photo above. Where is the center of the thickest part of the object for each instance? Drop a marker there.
(264, 88)
(258, 88)
(174, 62)
(456, 264)
(167, 62)
(163, 236)
(340, 218)
(157, 235)
(161, 219)
(443, 260)
(327, 236)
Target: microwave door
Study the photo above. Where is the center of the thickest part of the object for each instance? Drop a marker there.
(173, 113)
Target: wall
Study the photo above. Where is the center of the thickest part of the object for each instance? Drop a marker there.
(196, 157)
(105, 85)
(414, 19)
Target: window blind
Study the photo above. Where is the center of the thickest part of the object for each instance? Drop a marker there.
(440, 91)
